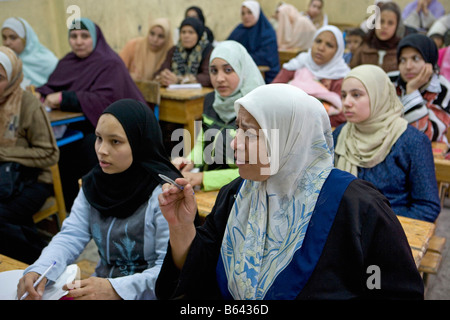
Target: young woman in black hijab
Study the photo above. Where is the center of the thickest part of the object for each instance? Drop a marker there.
(117, 206)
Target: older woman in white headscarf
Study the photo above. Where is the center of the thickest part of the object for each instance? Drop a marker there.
(289, 222)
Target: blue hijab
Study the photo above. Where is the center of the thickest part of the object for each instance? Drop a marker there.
(260, 41)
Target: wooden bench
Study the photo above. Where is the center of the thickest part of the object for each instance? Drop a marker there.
(432, 259)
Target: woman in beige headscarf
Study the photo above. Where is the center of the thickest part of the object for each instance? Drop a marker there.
(377, 145)
(293, 30)
(26, 138)
(144, 55)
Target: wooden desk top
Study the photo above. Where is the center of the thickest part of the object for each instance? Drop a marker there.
(58, 115)
(439, 149)
(417, 232)
(184, 94)
(442, 167)
(7, 264)
(205, 202)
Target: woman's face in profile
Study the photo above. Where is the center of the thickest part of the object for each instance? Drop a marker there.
(250, 149)
(3, 79)
(112, 146)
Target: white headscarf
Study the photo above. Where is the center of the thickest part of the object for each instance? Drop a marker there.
(269, 219)
(249, 76)
(254, 7)
(334, 69)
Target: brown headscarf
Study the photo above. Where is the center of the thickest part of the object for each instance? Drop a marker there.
(142, 62)
(10, 99)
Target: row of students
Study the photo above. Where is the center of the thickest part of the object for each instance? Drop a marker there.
(106, 164)
(127, 128)
(252, 246)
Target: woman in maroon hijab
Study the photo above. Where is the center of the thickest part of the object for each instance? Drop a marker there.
(87, 80)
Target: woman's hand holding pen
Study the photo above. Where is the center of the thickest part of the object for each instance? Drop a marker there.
(26, 285)
(179, 207)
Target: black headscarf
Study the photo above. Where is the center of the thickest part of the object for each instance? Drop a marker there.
(121, 194)
(201, 17)
(421, 43)
(194, 23)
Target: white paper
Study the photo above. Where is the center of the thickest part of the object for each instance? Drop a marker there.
(184, 86)
(10, 279)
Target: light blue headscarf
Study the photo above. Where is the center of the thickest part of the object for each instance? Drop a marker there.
(249, 76)
(90, 25)
(38, 61)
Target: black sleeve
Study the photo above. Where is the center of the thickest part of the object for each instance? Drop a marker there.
(365, 234)
(197, 279)
(70, 102)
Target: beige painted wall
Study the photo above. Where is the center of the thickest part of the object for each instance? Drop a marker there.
(121, 20)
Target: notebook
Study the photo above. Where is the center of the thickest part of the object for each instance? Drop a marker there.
(54, 291)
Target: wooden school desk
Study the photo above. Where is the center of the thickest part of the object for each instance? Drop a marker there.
(417, 232)
(7, 264)
(183, 106)
(58, 118)
(287, 54)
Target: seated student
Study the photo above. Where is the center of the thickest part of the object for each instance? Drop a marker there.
(324, 63)
(257, 35)
(423, 92)
(187, 61)
(287, 223)
(377, 145)
(87, 80)
(293, 30)
(380, 45)
(421, 14)
(438, 31)
(117, 207)
(233, 75)
(315, 13)
(26, 138)
(144, 55)
(38, 62)
(196, 12)
(354, 38)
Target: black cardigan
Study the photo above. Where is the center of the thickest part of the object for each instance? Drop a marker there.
(365, 232)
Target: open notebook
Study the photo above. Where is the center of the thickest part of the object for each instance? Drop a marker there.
(54, 291)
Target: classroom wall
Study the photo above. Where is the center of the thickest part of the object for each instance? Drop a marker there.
(122, 20)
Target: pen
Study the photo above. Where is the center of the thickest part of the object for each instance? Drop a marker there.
(39, 280)
(167, 179)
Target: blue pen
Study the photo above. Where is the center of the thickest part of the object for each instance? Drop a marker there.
(39, 279)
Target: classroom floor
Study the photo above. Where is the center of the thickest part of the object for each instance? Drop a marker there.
(438, 287)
